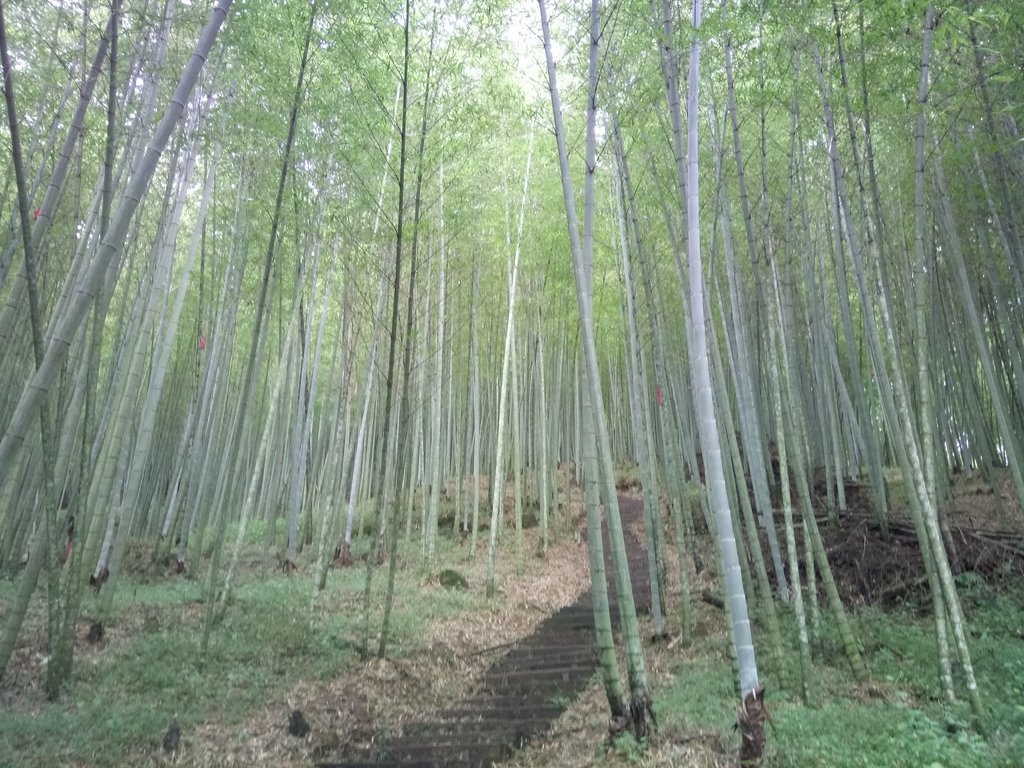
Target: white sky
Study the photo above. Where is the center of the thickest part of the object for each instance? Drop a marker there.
(523, 35)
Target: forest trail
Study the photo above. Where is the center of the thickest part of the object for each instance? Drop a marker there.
(518, 698)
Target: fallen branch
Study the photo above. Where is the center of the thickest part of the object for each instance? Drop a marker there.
(900, 588)
(711, 598)
(491, 649)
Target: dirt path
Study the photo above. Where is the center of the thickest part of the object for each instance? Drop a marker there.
(518, 698)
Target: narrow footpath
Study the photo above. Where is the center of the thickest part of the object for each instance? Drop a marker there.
(524, 691)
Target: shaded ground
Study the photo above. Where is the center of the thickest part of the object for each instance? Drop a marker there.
(872, 570)
(692, 689)
(353, 713)
(519, 695)
(360, 707)
(357, 709)
(868, 569)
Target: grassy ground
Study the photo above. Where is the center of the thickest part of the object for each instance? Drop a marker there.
(895, 721)
(148, 672)
(267, 657)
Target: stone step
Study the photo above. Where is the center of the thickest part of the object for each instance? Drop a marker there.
(523, 692)
(469, 755)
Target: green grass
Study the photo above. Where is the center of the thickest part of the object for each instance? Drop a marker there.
(897, 721)
(123, 697)
(848, 734)
(150, 672)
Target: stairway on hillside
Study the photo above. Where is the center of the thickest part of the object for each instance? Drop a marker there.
(522, 693)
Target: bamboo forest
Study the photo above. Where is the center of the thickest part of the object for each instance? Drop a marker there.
(528, 383)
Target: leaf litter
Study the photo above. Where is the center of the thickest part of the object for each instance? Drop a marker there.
(376, 698)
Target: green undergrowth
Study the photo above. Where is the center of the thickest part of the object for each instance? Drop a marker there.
(149, 672)
(898, 719)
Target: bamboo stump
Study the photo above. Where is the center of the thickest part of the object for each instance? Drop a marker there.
(750, 718)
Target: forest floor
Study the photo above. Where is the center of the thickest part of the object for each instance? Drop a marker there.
(267, 659)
